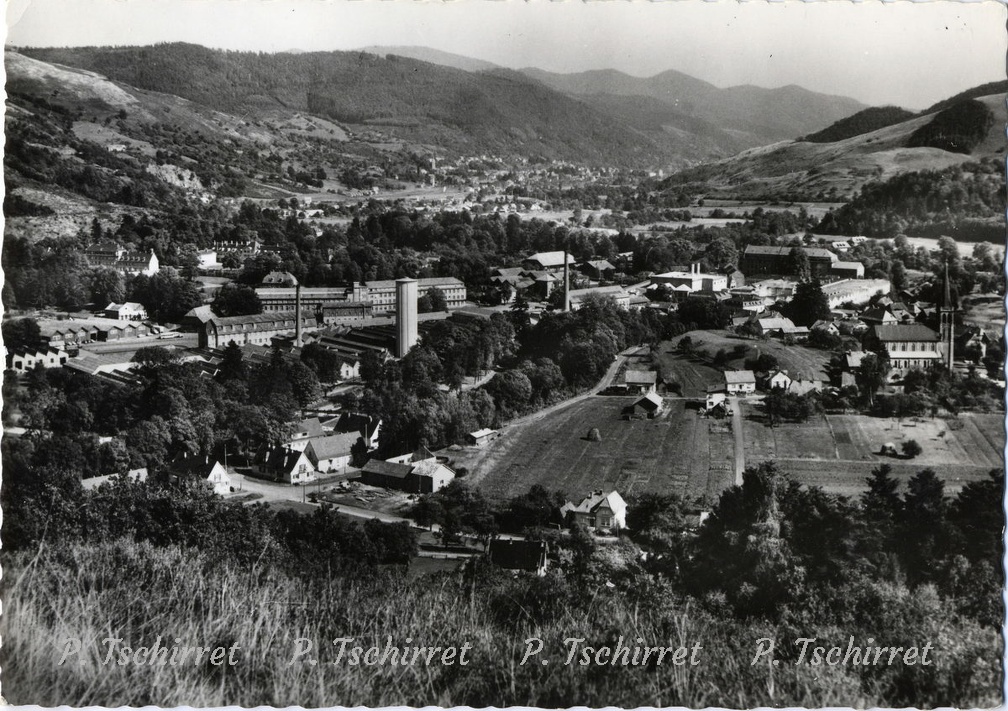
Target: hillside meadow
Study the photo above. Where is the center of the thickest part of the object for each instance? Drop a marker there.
(138, 592)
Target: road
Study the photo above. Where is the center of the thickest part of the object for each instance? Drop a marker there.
(604, 383)
(271, 492)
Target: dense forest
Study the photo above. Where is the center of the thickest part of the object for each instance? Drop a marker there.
(865, 121)
(965, 202)
(959, 128)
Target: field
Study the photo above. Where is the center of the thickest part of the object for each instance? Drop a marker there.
(677, 452)
(837, 452)
(987, 312)
(695, 374)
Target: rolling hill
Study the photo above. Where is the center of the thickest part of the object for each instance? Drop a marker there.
(753, 115)
(837, 169)
(457, 105)
(423, 104)
(433, 56)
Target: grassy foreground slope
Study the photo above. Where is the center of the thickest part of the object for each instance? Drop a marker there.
(137, 592)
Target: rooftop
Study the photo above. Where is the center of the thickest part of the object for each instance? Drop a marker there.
(739, 377)
(905, 332)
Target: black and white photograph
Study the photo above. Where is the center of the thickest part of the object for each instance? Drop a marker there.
(503, 354)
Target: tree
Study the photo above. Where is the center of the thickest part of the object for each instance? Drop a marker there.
(911, 449)
(236, 300)
(808, 305)
(898, 276)
(721, 252)
(922, 529)
(535, 509)
(800, 263)
(106, 286)
(871, 375)
(232, 365)
(21, 333)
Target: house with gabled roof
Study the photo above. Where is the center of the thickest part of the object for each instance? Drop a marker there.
(210, 471)
(777, 379)
(641, 381)
(597, 511)
(367, 426)
(288, 465)
(419, 472)
(127, 311)
(648, 407)
(331, 453)
(519, 555)
(304, 431)
(739, 382)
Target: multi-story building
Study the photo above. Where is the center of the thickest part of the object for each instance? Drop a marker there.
(110, 254)
(760, 259)
(855, 291)
(256, 329)
(909, 345)
(694, 280)
(382, 294)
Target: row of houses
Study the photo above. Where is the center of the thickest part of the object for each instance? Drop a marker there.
(72, 333)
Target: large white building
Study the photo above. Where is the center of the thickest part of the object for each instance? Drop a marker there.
(382, 294)
(856, 291)
(694, 280)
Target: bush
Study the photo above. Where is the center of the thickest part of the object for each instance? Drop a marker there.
(911, 449)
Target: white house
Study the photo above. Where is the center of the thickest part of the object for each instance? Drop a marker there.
(597, 511)
(778, 379)
(289, 465)
(303, 432)
(217, 477)
(739, 382)
(331, 453)
(128, 311)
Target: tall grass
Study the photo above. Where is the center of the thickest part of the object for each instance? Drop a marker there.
(137, 592)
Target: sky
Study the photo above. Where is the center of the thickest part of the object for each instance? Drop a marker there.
(911, 54)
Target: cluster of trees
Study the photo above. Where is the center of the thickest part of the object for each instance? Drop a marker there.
(779, 404)
(960, 202)
(173, 412)
(959, 128)
(866, 121)
(52, 506)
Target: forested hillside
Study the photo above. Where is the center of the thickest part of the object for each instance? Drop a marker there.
(959, 128)
(862, 122)
(501, 112)
(966, 202)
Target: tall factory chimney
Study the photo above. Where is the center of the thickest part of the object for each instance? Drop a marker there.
(405, 316)
(946, 320)
(566, 282)
(297, 315)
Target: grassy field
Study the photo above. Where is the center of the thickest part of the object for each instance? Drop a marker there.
(808, 362)
(678, 453)
(837, 452)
